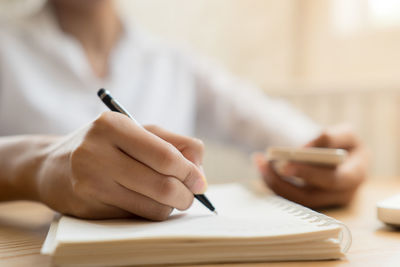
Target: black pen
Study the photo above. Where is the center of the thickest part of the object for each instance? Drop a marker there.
(113, 105)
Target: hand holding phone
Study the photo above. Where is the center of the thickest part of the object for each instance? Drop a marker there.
(327, 171)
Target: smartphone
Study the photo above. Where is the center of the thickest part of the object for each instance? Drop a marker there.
(311, 155)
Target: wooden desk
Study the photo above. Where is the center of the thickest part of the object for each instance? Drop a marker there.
(23, 227)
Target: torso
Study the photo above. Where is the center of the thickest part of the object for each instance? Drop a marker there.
(47, 86)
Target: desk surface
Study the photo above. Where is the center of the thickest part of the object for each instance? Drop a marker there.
(23, 227)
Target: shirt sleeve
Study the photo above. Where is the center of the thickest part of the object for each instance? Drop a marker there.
(232, 110)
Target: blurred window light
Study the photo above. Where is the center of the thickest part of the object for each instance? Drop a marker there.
(350, 16)
(384, 13)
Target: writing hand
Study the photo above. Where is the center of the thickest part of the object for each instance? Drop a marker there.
(113, 168)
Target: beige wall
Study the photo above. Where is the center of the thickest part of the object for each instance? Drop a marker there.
(285, 44)
(365, 57)
(254, 39)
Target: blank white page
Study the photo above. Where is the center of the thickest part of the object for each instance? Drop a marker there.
(241, 214)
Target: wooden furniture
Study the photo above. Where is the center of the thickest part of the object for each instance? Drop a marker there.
(23, 227)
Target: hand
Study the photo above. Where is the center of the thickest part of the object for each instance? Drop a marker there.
(113, 168)
(322, 186)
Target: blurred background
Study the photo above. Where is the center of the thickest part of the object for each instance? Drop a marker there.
(336, 60)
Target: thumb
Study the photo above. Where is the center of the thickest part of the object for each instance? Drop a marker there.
(335, 137)
(320, 141)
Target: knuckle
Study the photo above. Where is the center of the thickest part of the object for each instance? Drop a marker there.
(80, 187)
(193, 150)
(105, 119)
(81, 157)
(106, 122)
(168, 189)
(168, 158)
(198, 144)
(77, 160)
(79, 153)
(189, 178)
(171, 193)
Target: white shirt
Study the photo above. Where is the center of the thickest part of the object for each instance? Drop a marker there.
(47, 87)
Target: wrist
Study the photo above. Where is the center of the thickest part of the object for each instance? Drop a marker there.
(21, 158)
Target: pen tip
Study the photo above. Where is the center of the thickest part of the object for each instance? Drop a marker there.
(215, 212)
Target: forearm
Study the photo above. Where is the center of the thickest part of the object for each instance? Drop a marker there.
(20, 161)
(243, 114)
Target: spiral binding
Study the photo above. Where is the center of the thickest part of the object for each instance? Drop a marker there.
(315, 218)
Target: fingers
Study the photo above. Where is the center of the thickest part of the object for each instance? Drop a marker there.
(314, 192)
(92, 174)
(354, 169)
(338, 137)
(307, 196)
(321, 185)
(98, 210)
(329, 178)
(151, 150)
(99, 194)
(136, 203)
(115, 168)
(139, 178)
(324, 177)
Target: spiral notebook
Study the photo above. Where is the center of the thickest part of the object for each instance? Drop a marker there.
(250, 227)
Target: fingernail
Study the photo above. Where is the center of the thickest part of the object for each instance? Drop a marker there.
(202, 170)
(203, 177)
(199, 182)
(199, 186)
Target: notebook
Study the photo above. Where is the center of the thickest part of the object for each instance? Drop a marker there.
(249, 227)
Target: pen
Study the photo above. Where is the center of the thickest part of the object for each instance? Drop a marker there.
(113, 105)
